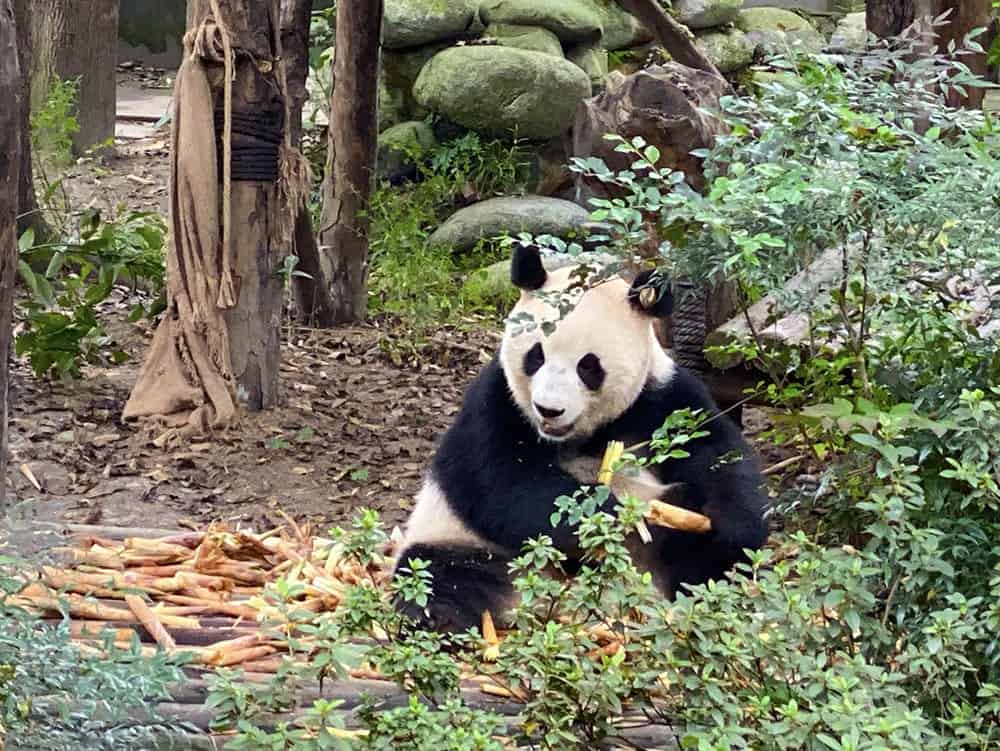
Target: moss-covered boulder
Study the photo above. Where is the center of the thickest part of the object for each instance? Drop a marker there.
(410, 23)
(779, 30)
(730, 49)
(531, 38)
(592, 59)
(495, 217)
(851, 34)
(622, 30)
(398, 143)
(570, 20)
(502, 90)
(706, 14)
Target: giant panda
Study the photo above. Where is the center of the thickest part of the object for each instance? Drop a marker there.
(534, 426)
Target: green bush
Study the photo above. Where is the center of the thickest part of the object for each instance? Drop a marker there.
(54, 696)
(421, 285)
(61, 329)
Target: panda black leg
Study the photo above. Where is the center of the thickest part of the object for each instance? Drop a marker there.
(465, 582)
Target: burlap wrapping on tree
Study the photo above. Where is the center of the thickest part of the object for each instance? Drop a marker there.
(186, 378)
(189, 379)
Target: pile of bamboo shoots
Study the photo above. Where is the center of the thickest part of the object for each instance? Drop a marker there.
(206, 593)
(197, 592)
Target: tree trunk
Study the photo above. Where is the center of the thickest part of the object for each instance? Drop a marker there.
(218, 342)
(296, 19)
(673, 36)
(888, 18)
(341, 286)
(967, 15)
(29, 215)
(74, 39)
(10, 165)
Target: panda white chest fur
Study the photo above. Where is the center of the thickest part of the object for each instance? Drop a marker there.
(534, 426)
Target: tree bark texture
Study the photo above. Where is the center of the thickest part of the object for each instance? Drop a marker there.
(674, 37)
(296, 19)
(888, 18)
(10, 166)
(967, 15)
(74, 39)
(353, 137)
(29, 215)
(219, 341)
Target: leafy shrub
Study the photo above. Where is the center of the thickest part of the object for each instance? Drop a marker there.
(875, 623)
(61, 328)
(54, 696)
(419, 284)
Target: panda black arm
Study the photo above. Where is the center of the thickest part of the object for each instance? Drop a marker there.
(498, 476)
(721, 473)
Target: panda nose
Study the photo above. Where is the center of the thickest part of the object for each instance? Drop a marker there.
(548, 413)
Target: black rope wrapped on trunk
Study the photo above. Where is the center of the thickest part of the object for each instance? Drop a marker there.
(690, 327)
(256, 143)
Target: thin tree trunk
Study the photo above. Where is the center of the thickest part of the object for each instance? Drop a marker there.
(10, 164)
(219, 341)
(296, 19)
(353, 134)
(78, 40)
(29, 214)
(674, 37)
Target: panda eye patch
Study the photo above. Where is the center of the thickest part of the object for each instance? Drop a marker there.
(534, 358)
(591, 371)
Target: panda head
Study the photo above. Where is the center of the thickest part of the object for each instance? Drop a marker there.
(592, 367)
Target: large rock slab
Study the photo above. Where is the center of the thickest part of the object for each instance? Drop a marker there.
(670, 106)
(570, 20)
(706, 14)
(410, 23)
(502, 90)
(779, 30)
(494, 217)
(729, 50)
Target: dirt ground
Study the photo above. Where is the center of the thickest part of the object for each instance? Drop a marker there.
(354, 429)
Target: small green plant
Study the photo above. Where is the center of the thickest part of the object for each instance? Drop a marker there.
(61, 328)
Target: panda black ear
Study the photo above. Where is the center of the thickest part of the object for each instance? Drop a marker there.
(526, 269)
(652, 294)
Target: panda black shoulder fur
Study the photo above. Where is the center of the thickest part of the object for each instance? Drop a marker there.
(534, 426)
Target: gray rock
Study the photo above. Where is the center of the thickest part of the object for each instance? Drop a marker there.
(851, 34)
(591, 59)
(396, 143)
(409, 23)
(779, 30)
(509, 216)
(729, 50)
(531, 38)
(705, 14)
(502, 90)
(570, 20)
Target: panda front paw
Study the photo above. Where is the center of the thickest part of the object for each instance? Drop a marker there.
(438, 615)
